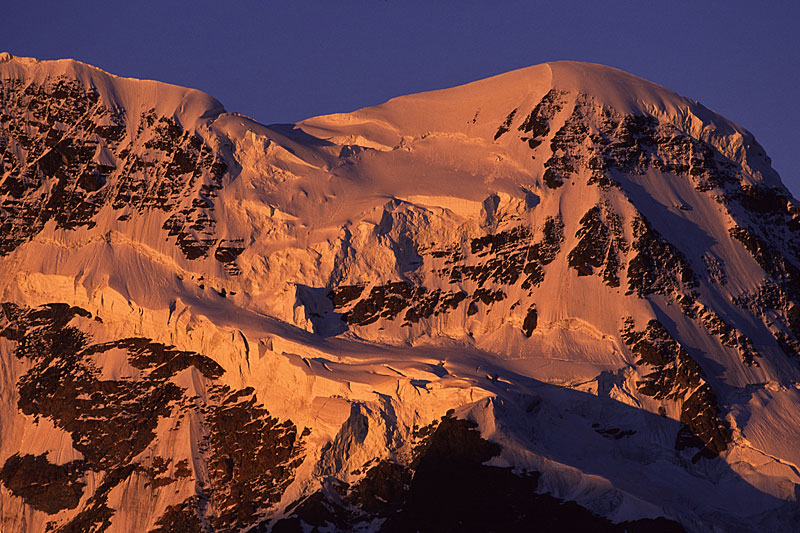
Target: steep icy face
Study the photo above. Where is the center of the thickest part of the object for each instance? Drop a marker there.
(270, 324)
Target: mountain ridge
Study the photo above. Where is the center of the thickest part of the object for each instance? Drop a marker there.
(193, 103)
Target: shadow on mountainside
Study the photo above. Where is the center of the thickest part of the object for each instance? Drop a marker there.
(292, 132)
(458, 481)
(634, 449)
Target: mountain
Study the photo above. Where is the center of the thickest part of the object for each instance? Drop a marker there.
(559, 299)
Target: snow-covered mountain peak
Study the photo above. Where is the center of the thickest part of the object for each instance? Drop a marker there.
(452, 109)
(190, 107)
(564, 281)
(475, 110)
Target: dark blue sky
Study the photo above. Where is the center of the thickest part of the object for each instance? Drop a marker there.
(285, 61)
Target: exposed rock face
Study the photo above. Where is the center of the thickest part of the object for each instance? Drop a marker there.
(508, 258)
(531, 319)
(537, 124)
(43, 485)
(676, 376)
(250, 456)
(560, 299)
(66, 155)
(599, 245)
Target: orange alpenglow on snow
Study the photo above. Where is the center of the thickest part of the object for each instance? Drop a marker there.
(563, 295)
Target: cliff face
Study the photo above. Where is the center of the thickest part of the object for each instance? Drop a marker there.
(562, 297)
